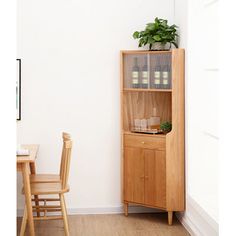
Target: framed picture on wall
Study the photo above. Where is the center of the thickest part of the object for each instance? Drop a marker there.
(18, 89)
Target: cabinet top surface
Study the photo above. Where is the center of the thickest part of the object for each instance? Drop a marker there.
(147, 51)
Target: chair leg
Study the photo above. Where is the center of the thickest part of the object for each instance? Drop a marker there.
(23, 223)
(64, 213)
(37, 204)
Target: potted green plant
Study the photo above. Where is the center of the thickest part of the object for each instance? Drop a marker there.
(157, 35)
(166, 127)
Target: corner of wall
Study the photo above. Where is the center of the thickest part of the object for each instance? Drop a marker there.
(197, 221)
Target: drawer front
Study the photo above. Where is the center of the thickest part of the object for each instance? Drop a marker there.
(157, 143)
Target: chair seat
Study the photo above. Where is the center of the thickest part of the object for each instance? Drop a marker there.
(44, 178)
(47, 188)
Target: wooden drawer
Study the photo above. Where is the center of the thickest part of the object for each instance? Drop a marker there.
(157, 143)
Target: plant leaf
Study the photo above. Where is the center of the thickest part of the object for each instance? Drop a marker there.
(136, 35)
(157, 38)
(150, 26)
(176, 45)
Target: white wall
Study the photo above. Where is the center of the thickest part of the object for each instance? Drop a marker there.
(198, 21)
(70, 82)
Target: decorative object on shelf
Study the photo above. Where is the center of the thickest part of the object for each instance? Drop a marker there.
(157, 74)
(135, 74)
(148, 126)
(143, 124)
(137, 124)
(148, 70)
(154, 120)
(145, 76)
(166, 77)
(147, 131)
(166, 127)
(158, 35)
(18, 89)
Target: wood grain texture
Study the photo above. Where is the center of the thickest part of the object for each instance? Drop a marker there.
(25, 164)
(121, 125)
(134, 175)
(175, 162)
(155, 178)
(64, 214)
(48, 188)
(156, 142)
(139, 105)
(64, 165)
(107, 225)
(170, 217)
(126, 208)
(23, 223)
(45, 178)
(27, 193)
(33, 150)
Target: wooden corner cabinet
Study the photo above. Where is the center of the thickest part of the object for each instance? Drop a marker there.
(152, 90)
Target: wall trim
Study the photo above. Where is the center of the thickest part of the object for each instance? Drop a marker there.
(103, 210)
(196, 220)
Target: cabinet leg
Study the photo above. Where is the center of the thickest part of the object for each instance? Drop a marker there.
(126, 205)
(170, 217)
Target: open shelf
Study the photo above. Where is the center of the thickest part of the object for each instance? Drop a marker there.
(147, 90)
(139, 105)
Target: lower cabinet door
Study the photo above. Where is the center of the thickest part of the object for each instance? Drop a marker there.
(155, 178)
(134, 175)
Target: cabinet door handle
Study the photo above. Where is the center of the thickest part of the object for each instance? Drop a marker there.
(143, 142)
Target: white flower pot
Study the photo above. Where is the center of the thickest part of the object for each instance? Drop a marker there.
(160, 47)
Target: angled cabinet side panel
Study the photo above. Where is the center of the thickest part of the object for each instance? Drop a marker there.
(175, 162)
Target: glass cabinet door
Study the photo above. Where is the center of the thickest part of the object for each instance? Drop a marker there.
(136, 71)
(147, 71)
(160, 71)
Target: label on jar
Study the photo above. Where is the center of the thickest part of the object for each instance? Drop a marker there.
(135, 74)
(144, 81)
(165, 81)
(134, 81)
(144, 74)
(165, 74)
(157, 74)
(157, 81)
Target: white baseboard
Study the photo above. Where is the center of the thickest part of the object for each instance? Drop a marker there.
(197, 221)
(102, 210)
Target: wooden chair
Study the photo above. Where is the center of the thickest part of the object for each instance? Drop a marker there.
(50, 178)
(56, 187)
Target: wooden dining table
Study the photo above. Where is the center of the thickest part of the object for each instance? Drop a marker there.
(26, 165)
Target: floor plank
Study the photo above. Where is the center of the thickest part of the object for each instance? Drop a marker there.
(111, 225)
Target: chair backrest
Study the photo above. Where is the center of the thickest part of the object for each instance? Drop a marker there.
(65, 159)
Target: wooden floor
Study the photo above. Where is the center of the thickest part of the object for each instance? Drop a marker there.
(111, 225)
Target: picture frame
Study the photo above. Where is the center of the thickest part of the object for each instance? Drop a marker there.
(18, 89)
